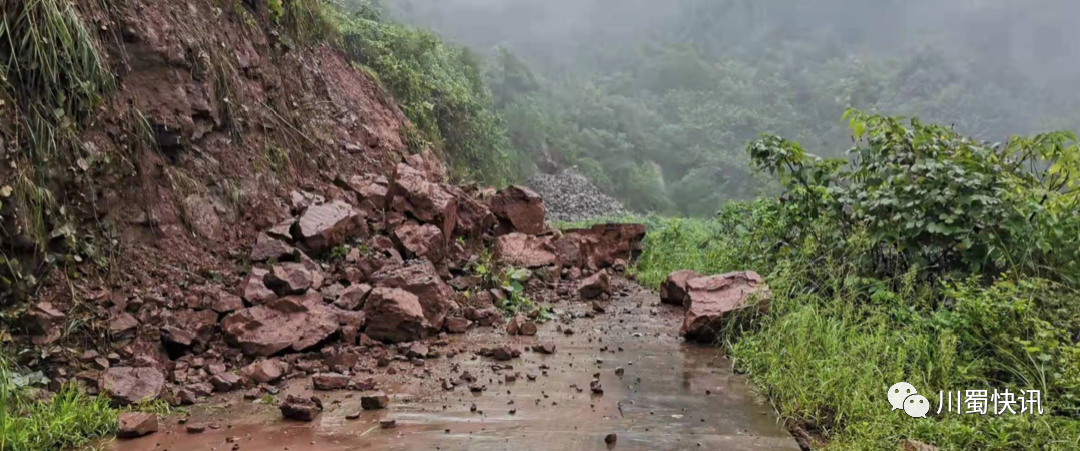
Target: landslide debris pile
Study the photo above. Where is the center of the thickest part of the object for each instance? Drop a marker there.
(571, 197)
(340, 289)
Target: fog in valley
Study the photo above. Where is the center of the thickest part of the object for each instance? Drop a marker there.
(656, 100)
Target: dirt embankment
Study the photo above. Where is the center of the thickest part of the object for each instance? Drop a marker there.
(261, 213)
(216, 116)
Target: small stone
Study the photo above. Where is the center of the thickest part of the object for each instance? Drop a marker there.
(388, 424)
(137, 424)
(376, 401)
(611, 439)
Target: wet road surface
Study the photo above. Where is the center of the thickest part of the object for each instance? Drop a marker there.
(670, 396)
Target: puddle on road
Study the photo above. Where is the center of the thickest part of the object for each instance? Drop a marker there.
(659, 403)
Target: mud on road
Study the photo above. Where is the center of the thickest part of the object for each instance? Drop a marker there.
(652, 390)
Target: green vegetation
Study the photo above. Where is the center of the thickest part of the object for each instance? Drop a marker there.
(67, 419)
(439, 86)
(973, 286)
(655, 101)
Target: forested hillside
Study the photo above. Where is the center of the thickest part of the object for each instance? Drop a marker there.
(655, 101)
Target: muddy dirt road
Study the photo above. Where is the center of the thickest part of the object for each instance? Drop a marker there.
(658, 393)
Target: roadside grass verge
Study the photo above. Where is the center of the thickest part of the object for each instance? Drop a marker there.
(833, 342)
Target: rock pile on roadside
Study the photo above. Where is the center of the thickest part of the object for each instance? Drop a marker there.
(570, 197)
(345, 286)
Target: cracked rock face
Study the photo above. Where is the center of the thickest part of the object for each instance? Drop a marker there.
(570, 196)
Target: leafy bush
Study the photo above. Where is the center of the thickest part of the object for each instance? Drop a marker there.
(931, 198)
(861, 300)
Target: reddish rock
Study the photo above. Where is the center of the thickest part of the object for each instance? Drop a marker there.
(265, 371)
(253, 288)
(520, 250)
(375, 401)
(136, 424)
(121, 323)
(412, 192)
(342, 360)
(713, 298)
(457, 325)
(127, 385)
(601, 246)
(420, 241)
(301, 409)
(595, 285)
(324, 226)
(417, 351)
(330, 381)
(486, 317)
(395, 316)
(504, 353)
(296, 323)
(185, 328)
(422, 280)
(43, 323)
(370, 189)
(519, 209)
(545, 348)
(352, 297)
(473, 216)
(289, 278)
(519, 325)
(226, 382)
(269, 248)
(673, 290)
(227, 303)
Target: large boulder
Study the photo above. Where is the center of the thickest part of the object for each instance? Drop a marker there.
(294, 322)
(602, 245)
(395, 316)
(528, 251)
(712, 299)
(127, 385)
(674, 290)
(421, 279)
(324, 226)
(420, 241)
(413, 193)
(519, 209)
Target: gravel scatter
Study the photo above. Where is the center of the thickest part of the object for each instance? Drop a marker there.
(570, 196)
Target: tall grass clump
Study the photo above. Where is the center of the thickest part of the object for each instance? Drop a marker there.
(52, 71)
(972, 287)
(67, 419)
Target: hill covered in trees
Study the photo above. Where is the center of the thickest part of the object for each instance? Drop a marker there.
(656, 101)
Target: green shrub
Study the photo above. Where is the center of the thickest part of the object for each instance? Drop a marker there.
(931, 198)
